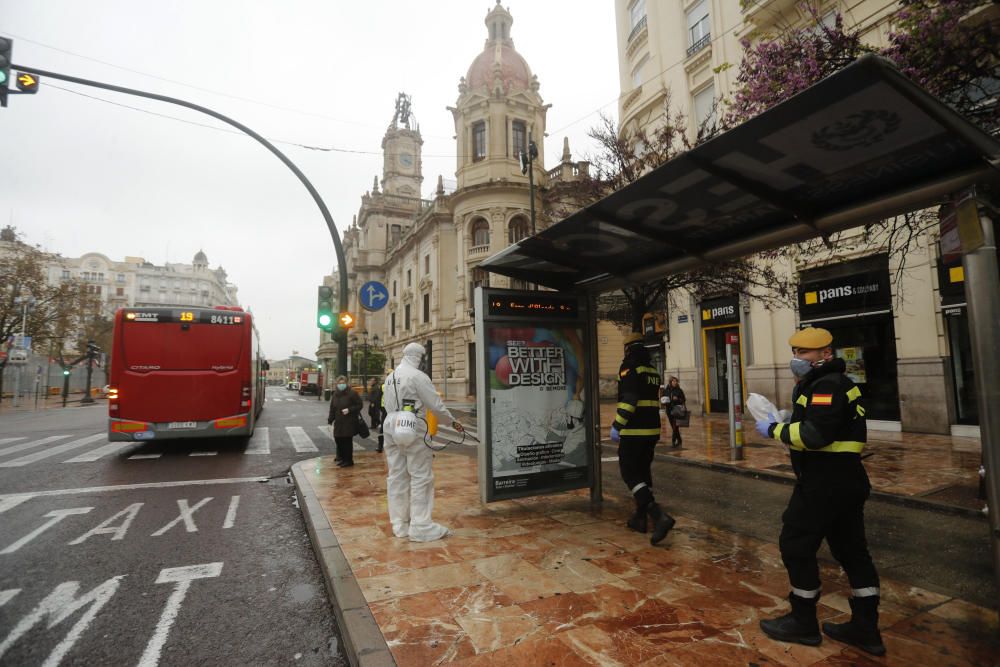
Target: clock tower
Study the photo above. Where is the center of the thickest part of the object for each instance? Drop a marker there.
(401, 168)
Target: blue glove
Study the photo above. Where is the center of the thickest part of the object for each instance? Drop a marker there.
(614, 434)
(763, 427)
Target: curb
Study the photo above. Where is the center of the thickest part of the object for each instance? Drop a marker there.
(890, 498)
(363, 640)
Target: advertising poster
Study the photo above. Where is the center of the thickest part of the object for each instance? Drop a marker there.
(537, 408)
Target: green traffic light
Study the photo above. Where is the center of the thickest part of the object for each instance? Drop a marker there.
(65, 372)
(325, 320)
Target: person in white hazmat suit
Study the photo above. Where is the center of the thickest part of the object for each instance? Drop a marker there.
(408, 394)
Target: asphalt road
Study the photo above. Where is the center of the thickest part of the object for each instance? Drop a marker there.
(173, 552)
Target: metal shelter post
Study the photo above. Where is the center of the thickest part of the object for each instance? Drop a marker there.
(982, 292)
(594, 391)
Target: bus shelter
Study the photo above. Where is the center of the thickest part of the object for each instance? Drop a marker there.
(860, 146)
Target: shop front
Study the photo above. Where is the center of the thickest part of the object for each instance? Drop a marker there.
(718, 318)
(853, 301)
(951, 280)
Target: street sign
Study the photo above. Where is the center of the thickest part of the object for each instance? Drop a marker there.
(27, 83)
(373, 295)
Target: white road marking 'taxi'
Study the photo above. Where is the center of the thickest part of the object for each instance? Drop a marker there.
(55, 517)
(186, 515)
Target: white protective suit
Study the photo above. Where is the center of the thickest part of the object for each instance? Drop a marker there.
(410, 482)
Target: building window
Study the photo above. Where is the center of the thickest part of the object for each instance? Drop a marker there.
(637, 73)
(392, 324)
(406, 318)
(119, 291)
(427, 264)
(120, 278)
(636, 13)
(520, 132)
(699, 29)
(478, 141)
(395, 232)
(427, 308)
(517, 229)
(100, 277)
(65, 274)
(480, 232)
(409, 278)
(704, 108)
(394, 288)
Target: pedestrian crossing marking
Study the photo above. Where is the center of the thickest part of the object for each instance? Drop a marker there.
(54, 451)
(93, 455)
(300, 441)
(34, 443)
(325, 432)
(139, 457)
(4, 441)
(203, 454)
(260, 442)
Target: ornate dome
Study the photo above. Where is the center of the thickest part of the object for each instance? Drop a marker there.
(499, 59)
(200, 258)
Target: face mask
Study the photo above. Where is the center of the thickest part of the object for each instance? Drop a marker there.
(341, 386)
(800, 367)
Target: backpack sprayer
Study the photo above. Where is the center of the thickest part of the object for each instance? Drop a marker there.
(404, 424)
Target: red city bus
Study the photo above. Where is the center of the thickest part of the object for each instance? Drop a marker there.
(184, 373)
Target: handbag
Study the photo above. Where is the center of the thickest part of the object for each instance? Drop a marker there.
(362, 428)
(681, 415)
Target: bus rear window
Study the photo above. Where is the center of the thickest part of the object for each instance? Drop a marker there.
(172, 346)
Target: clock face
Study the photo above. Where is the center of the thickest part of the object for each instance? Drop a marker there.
(406, 159)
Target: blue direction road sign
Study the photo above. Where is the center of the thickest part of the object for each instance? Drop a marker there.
(373, 295)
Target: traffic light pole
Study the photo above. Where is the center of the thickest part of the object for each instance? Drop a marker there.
(341, 261)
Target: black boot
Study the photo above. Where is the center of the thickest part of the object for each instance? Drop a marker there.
(676, 440)
(637, 521)
(862, 629)
(798, 626)
(381, 443)
(662, 523)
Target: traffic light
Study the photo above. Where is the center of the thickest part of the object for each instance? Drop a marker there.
(65, 371)
(346, 320)
(324, 308)
(6, 47)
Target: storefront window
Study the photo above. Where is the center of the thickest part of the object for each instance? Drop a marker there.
(868, 347)
(963, 374)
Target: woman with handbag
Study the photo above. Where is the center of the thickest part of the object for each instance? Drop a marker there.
(675, 404)
(375, 411)
(345, 410)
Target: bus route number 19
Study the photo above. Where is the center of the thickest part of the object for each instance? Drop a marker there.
(187, 316)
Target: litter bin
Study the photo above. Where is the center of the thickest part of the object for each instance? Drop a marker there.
(326, 394)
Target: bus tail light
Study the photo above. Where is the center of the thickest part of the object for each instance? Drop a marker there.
(231, 422)
(129, 427)
(112, 393)
(245, 403)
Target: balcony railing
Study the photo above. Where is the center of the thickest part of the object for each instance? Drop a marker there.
(478, 250)
(639, 27)
(700, 44)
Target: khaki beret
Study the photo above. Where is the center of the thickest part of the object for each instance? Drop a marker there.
(633, 338)
(811, 338)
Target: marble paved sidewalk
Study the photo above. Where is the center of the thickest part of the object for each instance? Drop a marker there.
(548, 581)
(937, 468)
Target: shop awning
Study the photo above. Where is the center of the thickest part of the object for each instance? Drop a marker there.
(861, 145)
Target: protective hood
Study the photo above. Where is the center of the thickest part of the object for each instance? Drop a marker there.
(413, 354)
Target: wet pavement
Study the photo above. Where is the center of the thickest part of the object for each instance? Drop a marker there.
(551, 580)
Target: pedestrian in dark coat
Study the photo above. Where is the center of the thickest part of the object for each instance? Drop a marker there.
(345, 410)
(674, 395)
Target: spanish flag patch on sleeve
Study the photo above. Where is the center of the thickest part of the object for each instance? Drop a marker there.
(822, 399)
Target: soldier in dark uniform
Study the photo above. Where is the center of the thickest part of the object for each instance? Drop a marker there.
(636, 429)
(826, 435)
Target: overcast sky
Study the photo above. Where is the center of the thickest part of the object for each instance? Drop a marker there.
(82, 175)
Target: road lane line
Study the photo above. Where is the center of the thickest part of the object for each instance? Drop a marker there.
(140, 457)
(203, 454)
(34, 443)
(300, 441)
(260, 442)
(9, 497)
(93, 455)
(8, 595)
(54, 451)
